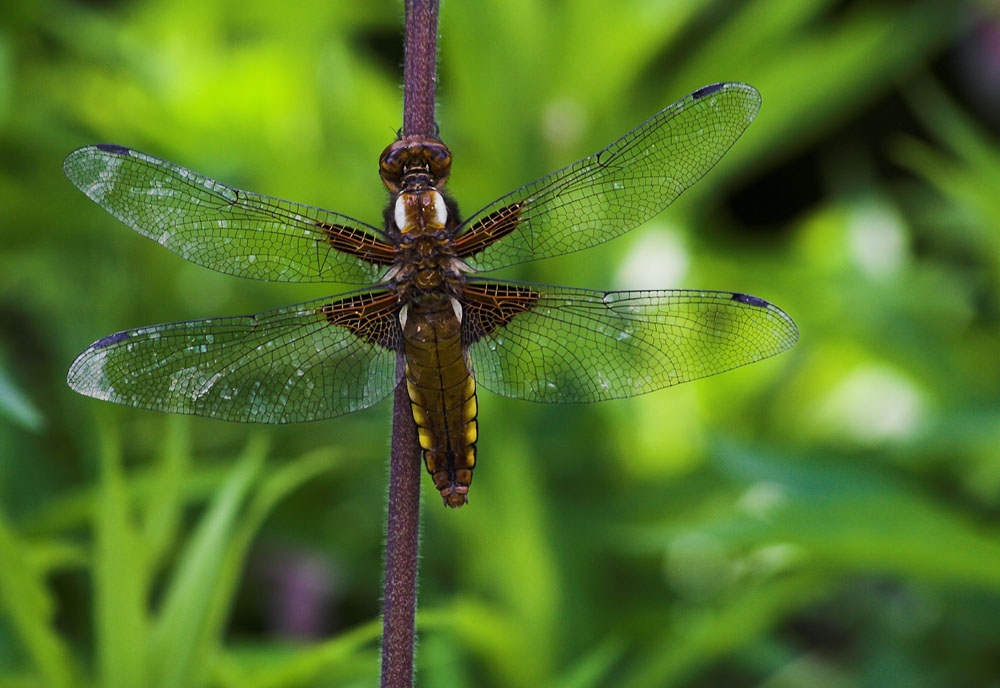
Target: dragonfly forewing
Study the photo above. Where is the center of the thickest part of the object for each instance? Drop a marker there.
(232, 231)
(615, 190)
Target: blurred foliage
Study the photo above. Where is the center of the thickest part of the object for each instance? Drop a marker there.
(829, 517)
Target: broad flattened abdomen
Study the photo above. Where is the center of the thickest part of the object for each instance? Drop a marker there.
(442, 397)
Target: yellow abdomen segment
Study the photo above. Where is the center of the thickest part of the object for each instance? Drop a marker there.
(442, 394)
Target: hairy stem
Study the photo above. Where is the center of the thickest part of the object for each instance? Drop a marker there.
(420, 67)
(403, 517)
(401, 546)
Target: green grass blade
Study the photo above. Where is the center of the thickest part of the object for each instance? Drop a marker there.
(15, 405)
(696, 639)
(121, 576)
(839, 517)
(351, 655)
(271, 490)
(179, 643)
(165, 504)
(594, 669)
(29, 608)
(77, 507)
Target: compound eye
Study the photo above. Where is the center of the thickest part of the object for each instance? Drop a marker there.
(391, 164)
(389, 160)
(439, 158)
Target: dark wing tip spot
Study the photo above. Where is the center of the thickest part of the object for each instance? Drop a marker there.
(751, 300)
(113, 148)
(109, 340)
(707, 90)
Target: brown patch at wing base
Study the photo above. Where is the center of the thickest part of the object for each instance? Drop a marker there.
(372, 316)
(488, 306)
(491, 228)
(355, 242)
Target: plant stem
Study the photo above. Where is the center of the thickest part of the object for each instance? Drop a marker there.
(401, 546)
(403, 518)
(420, 67)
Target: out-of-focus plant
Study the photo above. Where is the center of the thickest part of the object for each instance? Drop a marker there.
(161, 592)
(825, 518)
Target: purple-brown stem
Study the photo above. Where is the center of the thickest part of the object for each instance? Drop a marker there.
(403, 517)
(401, 546)
(420, 67)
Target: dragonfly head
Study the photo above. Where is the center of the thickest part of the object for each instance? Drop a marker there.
(414, 162)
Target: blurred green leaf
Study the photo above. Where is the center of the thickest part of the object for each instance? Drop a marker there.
(164, 506)
(864, 460)
(76, 508)
(339, 661)
(838, 517)
(595, 668)
(963, 174)
(29, 606)
(178, 646)
(122, 577)
(17, 407)
(697, 638)
(269, 492)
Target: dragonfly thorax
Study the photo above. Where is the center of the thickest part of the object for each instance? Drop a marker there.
(425, 255)
(427, 263)
(418, 213)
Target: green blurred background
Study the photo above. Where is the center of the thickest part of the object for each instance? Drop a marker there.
(830, 517)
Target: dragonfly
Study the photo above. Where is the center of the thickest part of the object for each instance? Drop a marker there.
(422, 293)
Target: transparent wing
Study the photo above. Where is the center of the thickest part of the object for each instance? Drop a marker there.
(225, 229)
(562, 345)
(304, 362)
(615, 190)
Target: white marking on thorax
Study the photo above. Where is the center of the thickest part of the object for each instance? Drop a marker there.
(402, 315)
(440, 209)
(400, 213)
(457, 307)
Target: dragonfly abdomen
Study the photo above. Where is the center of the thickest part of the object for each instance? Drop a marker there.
(442, 396)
